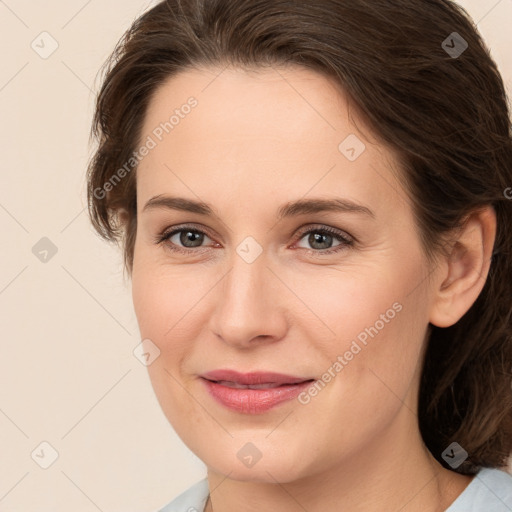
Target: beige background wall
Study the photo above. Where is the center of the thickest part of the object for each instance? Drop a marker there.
(67, 372)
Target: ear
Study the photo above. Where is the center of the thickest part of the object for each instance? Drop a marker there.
(122, 217)
(463, 272)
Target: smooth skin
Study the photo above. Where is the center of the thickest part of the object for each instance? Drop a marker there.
(256, 140)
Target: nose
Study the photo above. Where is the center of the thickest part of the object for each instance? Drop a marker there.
(250, 305)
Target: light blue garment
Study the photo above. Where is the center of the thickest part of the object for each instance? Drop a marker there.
(191, 500)
(489, 491)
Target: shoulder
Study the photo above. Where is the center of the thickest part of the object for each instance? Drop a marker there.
(489, 491)
(191, 500)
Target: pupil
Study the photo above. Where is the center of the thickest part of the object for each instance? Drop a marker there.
(317, 237)
(190, 236)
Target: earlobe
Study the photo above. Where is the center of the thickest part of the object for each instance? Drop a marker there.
(464, 270)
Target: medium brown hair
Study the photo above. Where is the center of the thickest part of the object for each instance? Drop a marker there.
(445, 115)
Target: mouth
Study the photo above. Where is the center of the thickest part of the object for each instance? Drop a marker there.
(253, 393)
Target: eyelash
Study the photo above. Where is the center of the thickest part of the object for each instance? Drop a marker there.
(344, 240)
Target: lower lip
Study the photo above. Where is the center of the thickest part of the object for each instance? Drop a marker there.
(254, 401)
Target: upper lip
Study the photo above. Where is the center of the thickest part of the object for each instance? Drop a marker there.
(253, 377)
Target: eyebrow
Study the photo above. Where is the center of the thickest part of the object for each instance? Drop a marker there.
(290, 209)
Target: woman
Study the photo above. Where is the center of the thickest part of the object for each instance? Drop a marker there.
(310, 197)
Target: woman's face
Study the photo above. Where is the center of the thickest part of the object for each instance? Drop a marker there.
(246, 288)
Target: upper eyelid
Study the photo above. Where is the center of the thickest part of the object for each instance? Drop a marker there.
(174, 230)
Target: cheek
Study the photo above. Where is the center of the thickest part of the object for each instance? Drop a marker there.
(350, 301)
(164, 307)
(167, 308)
(369, 326)
(369, 365)
(165, 296)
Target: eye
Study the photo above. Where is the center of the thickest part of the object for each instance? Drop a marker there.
(321, 239)
(189, 237)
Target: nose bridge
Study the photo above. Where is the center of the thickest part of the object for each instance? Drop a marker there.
(246, 302)
(247, 279)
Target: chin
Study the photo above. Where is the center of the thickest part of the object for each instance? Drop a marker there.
(270, 465)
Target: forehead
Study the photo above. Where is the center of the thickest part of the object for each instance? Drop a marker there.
(288, 104)
(271, 131)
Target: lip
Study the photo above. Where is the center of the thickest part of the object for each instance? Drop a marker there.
(253, 378)
(273, 389)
